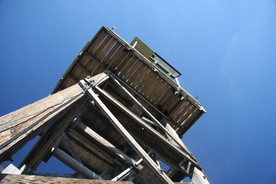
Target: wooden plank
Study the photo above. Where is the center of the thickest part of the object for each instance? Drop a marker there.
(23, 124)
(175, 104)
(128, 71)
(128, 63)
(120, 59)
(190, 117)
(145, 125)
(114, 56)
(142, 77)
(176, 175)
(95, 44)
(185, 114)
(163, 96)
(146, 176)
(157, 92)
(48, 140)
(75, 165)
(101, 47)
(11, 169)
(120, 154)
(66, 141)
(80, 72)
(98, 69)
(132, 71)
(111, 53)
(146, 86)
(113, 63)
(93, 63)
(178, 110)
(152, 143)
(92, 147)
(136, 70)
(198, 177)
(69, 81)
(55, 175)
(11, 179)
(106, 49)
(141, 98)
(166, 99)
(151, 164)
(172, 99)
(87, 62)
(187, 126)
(92, 160)
(170, 133)
(95, 66)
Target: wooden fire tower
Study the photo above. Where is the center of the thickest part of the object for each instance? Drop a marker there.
(115, 116)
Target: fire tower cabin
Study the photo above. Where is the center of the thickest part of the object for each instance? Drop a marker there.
(116, 115)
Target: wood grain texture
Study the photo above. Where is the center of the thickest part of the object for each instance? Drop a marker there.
(108, 51)
(16, 179)
(22, 125)
(132, 142)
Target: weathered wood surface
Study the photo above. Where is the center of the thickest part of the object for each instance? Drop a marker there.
(21, 118)
(75, 165)
(165, 142)
(13, 179)
(80, 143)
(16, 179)
(20, 126)
(168, 130)
(50, 139)
(107, 51)
(198, 177)
(139, 150)
(120, 154)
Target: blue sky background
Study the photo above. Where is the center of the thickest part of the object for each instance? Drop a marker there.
(225, 50)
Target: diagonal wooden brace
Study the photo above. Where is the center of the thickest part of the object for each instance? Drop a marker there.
(132, 142)
(174, 136)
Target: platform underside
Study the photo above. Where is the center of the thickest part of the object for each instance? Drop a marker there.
(107, 51)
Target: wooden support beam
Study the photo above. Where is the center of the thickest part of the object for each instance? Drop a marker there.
(176, 174)
(120, 154)
(55, 180)
(198, 177)
(176, 137)
(97, 79)
(55, 175)
(19, 127)
(139, 95)
(93, 147)
(145, 125)
(70, 147)
(11, 179)
(50, 139)
(75, 165)
(126, 173)
(169, 131)
(132, 142)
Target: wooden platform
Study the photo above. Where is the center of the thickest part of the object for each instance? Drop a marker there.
(108, 51)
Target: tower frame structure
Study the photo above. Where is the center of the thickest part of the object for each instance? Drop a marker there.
(117, 114)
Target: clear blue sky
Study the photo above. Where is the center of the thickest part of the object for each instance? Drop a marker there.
(225, 50)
